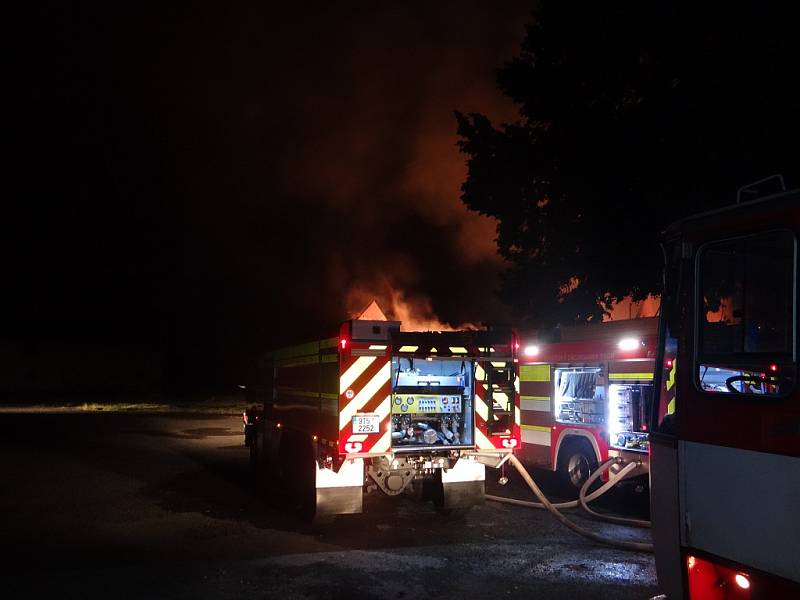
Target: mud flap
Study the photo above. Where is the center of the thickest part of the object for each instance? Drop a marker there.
(463, 485)
(341, 492)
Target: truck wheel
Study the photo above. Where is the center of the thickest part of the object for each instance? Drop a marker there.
(576, 461)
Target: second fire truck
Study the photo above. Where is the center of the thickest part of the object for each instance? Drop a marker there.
(587, 398)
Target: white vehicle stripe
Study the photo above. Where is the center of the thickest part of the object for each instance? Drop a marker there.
(537, 405)
(353, 373)
(481, 440)
(382, 445)
(539, 438)
(365, 395)
(481, 408)
(384, 407)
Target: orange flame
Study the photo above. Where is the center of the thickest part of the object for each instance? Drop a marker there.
(414, 313)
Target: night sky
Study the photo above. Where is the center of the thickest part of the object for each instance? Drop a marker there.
(201, 183)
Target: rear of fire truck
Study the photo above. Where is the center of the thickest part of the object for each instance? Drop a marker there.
(376, 408)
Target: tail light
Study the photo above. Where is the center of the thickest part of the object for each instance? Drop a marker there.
(712, 581)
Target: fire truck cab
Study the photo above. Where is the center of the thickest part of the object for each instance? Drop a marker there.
(725, 432)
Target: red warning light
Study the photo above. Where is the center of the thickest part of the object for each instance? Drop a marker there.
(668, 363)
(773, 367)
(343, 343)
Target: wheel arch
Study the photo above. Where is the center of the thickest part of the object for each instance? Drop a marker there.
(570, 434)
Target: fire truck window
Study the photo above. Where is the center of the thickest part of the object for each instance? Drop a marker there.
(747, 314)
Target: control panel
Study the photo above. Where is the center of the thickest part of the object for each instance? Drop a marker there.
(425, 404)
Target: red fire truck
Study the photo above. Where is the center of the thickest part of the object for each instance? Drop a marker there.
(376, 406)
(725, 440)
(586, 398)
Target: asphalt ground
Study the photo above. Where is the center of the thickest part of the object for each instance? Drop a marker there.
(133, 505)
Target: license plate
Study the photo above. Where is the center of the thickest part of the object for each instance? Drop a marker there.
(366, 424)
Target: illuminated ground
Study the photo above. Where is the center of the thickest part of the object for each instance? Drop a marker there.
(131, 505)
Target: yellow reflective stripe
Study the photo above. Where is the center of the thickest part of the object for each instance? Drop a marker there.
(535, 428)
(534, 372)
(377, 346)
(621, 376)
(353, 373)
(365, 395)
(671, 407)
(297, 362)
(409, 348)
(535, 403)
(329, 343)
(330, 396)
(299, 350)
(458, 350)
(329, 358)
(498, 365)
(671, 380)
(536, 437)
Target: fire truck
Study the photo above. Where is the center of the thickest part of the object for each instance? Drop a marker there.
(725, 433)
(377, 407)
(587, 398)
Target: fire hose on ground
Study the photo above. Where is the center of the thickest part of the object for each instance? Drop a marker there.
(582, 501)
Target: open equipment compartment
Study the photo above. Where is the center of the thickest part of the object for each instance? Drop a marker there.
(578, 398)
(432, 403)
(628, 407)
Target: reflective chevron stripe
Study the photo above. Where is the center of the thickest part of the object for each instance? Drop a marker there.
(365, 395)
(353, 373)
(481, 441)
(382, 445)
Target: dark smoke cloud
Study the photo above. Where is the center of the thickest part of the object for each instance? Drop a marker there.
(221, 179)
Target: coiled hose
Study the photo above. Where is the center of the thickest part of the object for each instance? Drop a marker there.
(572, 503)
(545, 503)
(584, 499)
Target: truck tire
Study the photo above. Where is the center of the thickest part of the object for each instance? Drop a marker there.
(576, 461)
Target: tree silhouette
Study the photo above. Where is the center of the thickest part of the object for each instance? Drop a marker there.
(632, 115)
